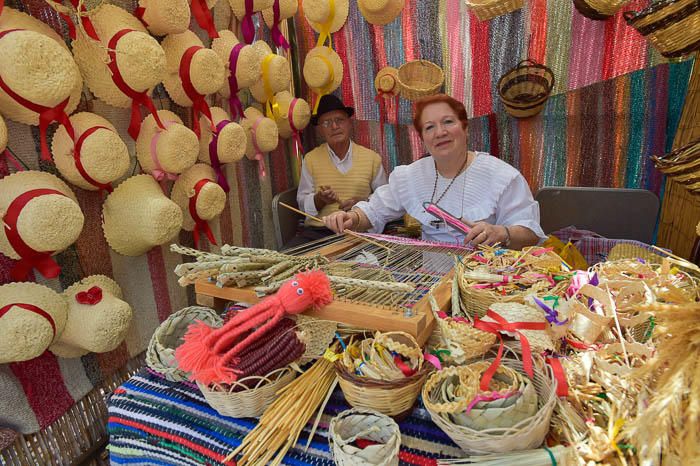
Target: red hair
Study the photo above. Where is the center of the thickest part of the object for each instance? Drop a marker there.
(455, 105)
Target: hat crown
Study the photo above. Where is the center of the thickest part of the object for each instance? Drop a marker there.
(375, 6)
(329, 103)
(387, 83)
(207, 71)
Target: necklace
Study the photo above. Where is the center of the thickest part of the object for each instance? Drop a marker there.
(461, 169)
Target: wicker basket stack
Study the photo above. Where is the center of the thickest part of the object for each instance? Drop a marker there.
(379, 433)
(524, 90)
(672, 26)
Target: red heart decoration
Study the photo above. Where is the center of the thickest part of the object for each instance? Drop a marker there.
(91, 296)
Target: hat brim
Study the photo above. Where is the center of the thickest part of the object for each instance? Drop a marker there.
(349, 110)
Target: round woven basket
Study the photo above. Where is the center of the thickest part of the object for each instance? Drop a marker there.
(599, 10)
(160, 355)
(524, 90)
(526, 434)
(354, 424)
(419, 78)
(249, 396)
(461, 339)
(489, 9)
(672, 26)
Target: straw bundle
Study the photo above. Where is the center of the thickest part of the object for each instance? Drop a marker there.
(672, 26)
(489, 9)
(377, 433)
(419, 78)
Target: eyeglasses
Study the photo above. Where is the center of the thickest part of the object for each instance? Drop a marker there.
(331, 121)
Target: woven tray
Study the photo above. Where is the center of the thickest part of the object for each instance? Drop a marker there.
(366, 424)
(257, 393)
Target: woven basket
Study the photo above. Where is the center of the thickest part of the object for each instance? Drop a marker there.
(257, 393)
(672, 26)
(366, 424)
(160, 355)
(526, 434)
(461, 339)
(524, 90)
(420, 78)
(316, 334)
(489, 9)
(599, 9)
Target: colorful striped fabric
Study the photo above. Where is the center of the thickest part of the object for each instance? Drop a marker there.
(154, 421)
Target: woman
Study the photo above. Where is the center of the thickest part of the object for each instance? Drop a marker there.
(486, 193)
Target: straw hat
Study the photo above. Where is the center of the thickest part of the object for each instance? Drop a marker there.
(248, 60)
(103, 156)
(98, 318)
(137, 216)
(386, 82)
(275, 70)
(206, 70)
(3, 134)
(40, 224)
(164, 153)
(206, 198)
(230, 142)
(540, 340)
(317, 12)
(323, 70)
(300, 117)
(287, 9)
(139, 58)
(260, 131)
(380, 12)
(164, 17)
(31, 317)
(238, 6)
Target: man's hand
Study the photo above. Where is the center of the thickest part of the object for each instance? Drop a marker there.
(349, 203)
(325, 196)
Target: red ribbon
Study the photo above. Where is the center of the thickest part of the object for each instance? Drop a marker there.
(47, 115)
(137, 98)
(502, 325)
(202, 14)
(214, 157)
(84, 20)
(199, 105)
(31, 308)
(559, 376)
(40, 260)
(247, 26)
(78, 163)
(90, 297)
(2, 5)
(277, 36)
(6, 153)
(258, 152)
(139, 12)
(407, 371)
(199, 223)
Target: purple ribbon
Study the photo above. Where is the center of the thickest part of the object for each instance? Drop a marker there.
(549, 313)
(234, 102)
(593, 281)
(214, 157)
(277, 36)
(247, 25)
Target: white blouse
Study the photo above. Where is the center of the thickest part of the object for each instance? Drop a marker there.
(489, 189)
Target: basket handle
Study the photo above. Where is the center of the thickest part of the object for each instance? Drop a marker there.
(629, 16)
(527, 61)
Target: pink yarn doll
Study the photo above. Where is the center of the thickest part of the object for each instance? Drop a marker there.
(207, 352)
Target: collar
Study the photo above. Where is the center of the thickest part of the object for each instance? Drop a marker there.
(335, 158)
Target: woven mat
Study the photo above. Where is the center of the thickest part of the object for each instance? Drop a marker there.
(154, 421)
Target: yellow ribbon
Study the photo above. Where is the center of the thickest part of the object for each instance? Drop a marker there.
(328, 87)
(615, 432)
(324, 29)
(271, 106)
(331, 355)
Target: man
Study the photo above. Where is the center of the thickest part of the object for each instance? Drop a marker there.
(337, 174)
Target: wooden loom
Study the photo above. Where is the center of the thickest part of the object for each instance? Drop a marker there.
(422, 266)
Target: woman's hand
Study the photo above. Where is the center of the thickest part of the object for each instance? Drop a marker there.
(340, 221)
(485, 233)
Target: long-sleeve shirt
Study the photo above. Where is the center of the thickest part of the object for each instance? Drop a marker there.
(307, 187)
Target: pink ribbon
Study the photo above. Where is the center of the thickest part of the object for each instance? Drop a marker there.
(247, 25)
(214, 157)
(158, 173)
(258, 153)
(234, 102)
(277, 36)
(490, 397)
(296, 134)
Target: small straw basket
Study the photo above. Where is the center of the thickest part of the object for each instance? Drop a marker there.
(365, 424)
(524, 90)
(419, 78)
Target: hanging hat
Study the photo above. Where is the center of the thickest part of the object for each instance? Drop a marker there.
(137, 216)
(273, 16)
(3, 135)
(244, 10)
(124, 66)
(226, 145)
(192, 73)
(163, 17)
(274, 77)
(200, 198)
(98, 318)
(386, 83)
(41, 217)
(330, 103)
(97, 158)
(323, 71)
(262, 136)
(31, 317)
(380, 12)
(165, 153)
(294, 114)
(325, 16)
(27, 95)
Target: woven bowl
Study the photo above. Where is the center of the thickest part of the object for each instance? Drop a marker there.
(524, 90)
(248, 397)
(160, 355)
(356, 423)
(672, 26)
(419, 78)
